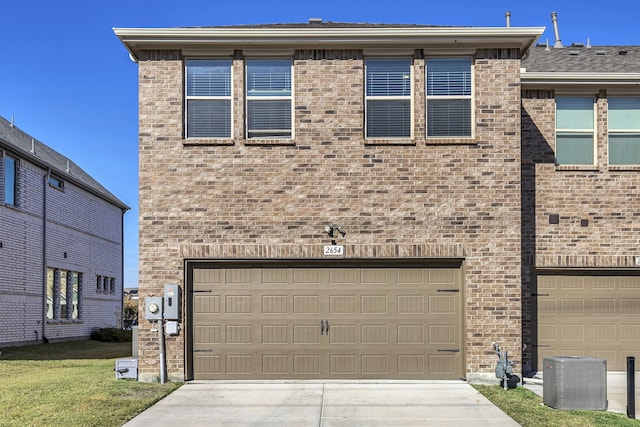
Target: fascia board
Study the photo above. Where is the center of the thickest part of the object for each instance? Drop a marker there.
(176, 38)
(565, 78)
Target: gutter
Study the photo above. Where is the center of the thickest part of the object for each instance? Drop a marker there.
(573, 78)
(137, 39)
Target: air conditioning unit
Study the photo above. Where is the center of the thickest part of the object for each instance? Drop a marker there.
(571, 382)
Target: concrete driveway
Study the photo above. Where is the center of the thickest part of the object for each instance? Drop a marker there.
(324, 404)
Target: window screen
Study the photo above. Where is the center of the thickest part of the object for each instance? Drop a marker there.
(269, 98)
(388, 93)
(575, 131)
(208, 90)
(624, 131)
(449, 97)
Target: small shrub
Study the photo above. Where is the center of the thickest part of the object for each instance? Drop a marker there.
(110, 335)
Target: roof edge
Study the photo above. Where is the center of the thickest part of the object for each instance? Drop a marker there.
(136, 39)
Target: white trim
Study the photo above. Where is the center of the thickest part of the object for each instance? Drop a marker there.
(136, 39)
(555, 78)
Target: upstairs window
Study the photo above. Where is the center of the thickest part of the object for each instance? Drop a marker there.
(10, 181)
(55, 182)
(624, 131)
(388, 98)
(449, 97)
(269, 100)
(208, 98)
(575, 120)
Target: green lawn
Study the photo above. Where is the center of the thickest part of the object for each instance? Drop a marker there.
(71, 384)
(526, 407)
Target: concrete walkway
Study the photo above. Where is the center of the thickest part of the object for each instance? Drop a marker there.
(324, 404)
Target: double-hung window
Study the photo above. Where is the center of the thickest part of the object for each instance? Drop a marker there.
(624, 131)
(388, 98)
(208, 98)
(449, 112)
(269, 98)
(575, 130)
(10, 181)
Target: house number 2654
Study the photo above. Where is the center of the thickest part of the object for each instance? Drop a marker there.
(334, 250)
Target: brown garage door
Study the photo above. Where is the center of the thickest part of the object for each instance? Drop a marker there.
(326, 323)
(589, 315)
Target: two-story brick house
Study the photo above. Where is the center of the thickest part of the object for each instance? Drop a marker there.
(61, 245)
(580, 210)
(261, 145)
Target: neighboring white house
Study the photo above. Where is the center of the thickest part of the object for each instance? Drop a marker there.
(61, 245)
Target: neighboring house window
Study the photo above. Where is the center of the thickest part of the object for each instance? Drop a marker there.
(75, 295)
(50, 292)
(64, 286)
(575, 130)
(99, 287)
(269, 99)
(112, 285)
(64, 294)
(388, 97)
(10, 180)
(208, 94)
(624, 131)
(449, 97)
(56, 182)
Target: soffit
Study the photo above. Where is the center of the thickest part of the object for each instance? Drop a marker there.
(314, 36)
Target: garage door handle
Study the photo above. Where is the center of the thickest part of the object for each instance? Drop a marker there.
(322, 327)
(327, 327)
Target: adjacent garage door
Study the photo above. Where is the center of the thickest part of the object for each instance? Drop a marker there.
(267, 323)
(589, 315)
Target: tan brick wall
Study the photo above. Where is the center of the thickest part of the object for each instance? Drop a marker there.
(431, 198)
(604, 196)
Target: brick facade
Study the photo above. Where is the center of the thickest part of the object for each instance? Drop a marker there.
(421, 198)
(83, 234)
(597, 205)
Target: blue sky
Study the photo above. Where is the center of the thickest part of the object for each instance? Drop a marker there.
(67, 80)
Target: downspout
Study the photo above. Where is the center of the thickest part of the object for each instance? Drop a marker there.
(44, 251)
(124, 211)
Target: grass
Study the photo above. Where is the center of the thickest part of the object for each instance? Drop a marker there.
(71, 384)
(526, 408)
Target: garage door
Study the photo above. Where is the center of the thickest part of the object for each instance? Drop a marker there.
(326, 323)
(590, 315)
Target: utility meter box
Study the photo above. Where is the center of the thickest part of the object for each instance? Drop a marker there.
(172, 302)
(127, 368)
(153, 308)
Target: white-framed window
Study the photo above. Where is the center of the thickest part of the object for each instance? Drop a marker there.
(208, 98)
(269, 98)
(624, 130)
(449, 96)
(10, 165)
(575, 130)
(388, 98)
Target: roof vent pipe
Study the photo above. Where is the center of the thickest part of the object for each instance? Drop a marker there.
(508, 16)
(554, 19)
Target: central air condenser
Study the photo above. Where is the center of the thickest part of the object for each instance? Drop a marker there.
(571, 382)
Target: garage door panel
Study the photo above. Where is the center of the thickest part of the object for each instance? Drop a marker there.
(589, 315)
(269, 324)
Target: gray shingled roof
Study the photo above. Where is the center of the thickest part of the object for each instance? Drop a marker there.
(581, 59)
(22, 144)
